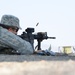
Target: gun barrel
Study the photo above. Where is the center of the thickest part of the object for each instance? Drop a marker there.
(52, 37)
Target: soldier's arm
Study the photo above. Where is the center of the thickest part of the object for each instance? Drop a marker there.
(15, 42)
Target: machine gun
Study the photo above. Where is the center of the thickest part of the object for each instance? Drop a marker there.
(40, 36)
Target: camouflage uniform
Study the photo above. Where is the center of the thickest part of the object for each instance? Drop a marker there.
(8, 39)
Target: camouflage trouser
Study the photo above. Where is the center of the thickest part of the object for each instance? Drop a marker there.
(9, 51)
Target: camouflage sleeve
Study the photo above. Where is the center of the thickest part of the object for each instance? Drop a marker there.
(11, 40)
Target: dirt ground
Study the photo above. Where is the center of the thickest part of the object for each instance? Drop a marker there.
(37, 65)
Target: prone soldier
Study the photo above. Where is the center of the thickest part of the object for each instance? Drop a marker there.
(9, 40)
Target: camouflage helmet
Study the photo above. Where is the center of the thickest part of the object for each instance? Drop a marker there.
(10, 20)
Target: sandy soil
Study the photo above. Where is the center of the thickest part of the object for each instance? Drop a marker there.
(36, 65)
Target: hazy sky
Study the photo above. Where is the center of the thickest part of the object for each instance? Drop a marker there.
(56, 17)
